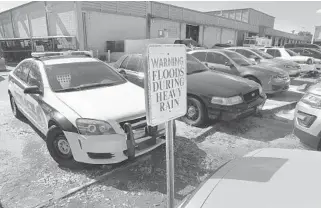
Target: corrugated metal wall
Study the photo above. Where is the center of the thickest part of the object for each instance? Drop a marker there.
(37, 15)
(133, 8)
(62, 18)
(212, 35)
(5, 21)
(259, 18)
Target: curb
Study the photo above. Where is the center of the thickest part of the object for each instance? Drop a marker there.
(87, 185)
(288, 106)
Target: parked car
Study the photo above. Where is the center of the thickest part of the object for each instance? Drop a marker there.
(307, 119)
(302, 45)
(88, 112)
(222, 45)
(311, 52)
(211, 95)
(2, 64)
(272, 79)
(307, 63)
(262, 178)
(261, 57)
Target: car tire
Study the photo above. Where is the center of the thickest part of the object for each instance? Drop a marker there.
(254, 79)
(60, 149)
(15, 110)
(196, 114)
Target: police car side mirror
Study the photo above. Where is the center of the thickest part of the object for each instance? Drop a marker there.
(32, 90)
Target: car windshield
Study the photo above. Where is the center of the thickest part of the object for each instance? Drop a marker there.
(194, 65)
(291, 53)
(261, 53)
(238, 59)
(81, 75)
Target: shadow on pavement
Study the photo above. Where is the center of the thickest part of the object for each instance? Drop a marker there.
(288, 96)
(2, 79)
(150, 175)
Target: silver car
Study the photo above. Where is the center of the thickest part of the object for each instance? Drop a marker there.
(261, 57)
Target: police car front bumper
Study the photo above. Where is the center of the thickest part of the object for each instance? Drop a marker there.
(110, 149)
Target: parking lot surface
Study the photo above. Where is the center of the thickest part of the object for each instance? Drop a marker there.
(30, 178)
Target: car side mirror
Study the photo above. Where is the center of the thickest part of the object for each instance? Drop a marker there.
(122, 72)
(229, 64)
(32, 90)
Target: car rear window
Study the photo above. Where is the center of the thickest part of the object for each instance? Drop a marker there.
(70, 75)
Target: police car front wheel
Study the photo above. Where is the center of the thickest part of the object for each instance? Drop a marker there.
(59, 148)
(15, 110)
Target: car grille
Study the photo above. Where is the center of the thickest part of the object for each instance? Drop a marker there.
(141, 120)
(253, 95)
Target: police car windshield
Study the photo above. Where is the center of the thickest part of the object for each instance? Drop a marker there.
(81, 75)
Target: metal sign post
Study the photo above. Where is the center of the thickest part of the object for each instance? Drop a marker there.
(166, 96)
(170, 163)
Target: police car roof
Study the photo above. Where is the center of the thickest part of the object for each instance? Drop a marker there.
(66, 59)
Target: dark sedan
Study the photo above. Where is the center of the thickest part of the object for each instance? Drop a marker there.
(272, 79)
(211, 95)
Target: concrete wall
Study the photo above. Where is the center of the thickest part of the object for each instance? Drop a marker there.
(102, 27)
(212, 35)
(172, 27)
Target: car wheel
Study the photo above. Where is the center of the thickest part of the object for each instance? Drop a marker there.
(59, 148)
(196, 113)
(15, 110)
(254, 79)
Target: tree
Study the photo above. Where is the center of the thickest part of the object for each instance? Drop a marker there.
(305, 33)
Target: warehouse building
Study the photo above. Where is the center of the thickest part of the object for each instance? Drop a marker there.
(38, 26)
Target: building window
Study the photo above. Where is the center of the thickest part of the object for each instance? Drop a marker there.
(245, 16)
(232, 15)
(238, 15)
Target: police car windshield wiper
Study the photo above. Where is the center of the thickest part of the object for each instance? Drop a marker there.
(197, 71)
(86, 86)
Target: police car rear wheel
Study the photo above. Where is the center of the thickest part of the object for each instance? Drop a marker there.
(59, 148)
(16, 112)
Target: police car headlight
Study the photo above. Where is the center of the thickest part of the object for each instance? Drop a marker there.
(94, 127)
(227, 101)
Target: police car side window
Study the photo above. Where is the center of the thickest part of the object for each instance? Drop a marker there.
(34, 78)
(22, 71)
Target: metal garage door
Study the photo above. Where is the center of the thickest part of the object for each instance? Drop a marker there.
(157, 25)
(228, 35)
(212, 35)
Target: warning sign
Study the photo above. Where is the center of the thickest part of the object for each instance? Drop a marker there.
(165, 83)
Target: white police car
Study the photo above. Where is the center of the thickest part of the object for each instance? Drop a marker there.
(88, 112)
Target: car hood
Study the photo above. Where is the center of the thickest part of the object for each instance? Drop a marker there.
(315, 89)
(268, 69)
(219, 84)
(119, 103)
(275, 178)
(296, 58)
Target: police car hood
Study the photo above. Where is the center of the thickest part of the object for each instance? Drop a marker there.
(266, 178)
(119, 103)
